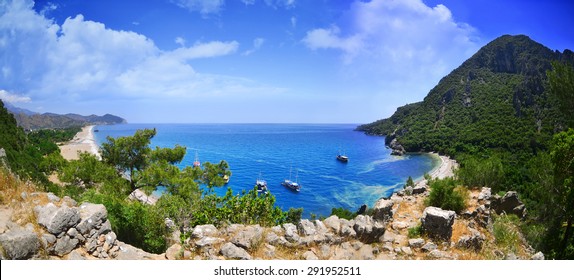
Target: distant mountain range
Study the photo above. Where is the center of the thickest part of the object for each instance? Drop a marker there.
(30, 120)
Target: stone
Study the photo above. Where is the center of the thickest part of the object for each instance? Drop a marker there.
(272, 238)
(407, 251)
(75, 255)
(208, 241)
(249, 237)
(325, 251)
(173, 252)
(57, 220)
(333, 223)
(310, 256)
(111, 238)
(92, 217)
(69, 201)
(65, 245)
(383, 210)
(204, 230)
(362, 210)
(398, 225)
(437, 223)
(24, 195)
(347, 228)
(19, 244)
(230, 251)
(367, 229)
(416, 242)
(419, 190)
(72, 232)
(52, 197)
(388, 236)
(48, 240)
(306, 227)
(441, 255)
(484, 195)
(537, 257)
(473, 241)
(128, 252)
(509, 204)
(429, 246)
(320, 227)
(269, 251)
(365, 252)
(291, 233)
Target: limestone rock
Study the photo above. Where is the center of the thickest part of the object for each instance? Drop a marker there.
(249, 237)
(129, 252)
(291, 233)
(320, 227)
(538, 256)
(367, 229)
(208, 241)
(57, 220)
(19, 244)
(310, 256)
(306, 227)
(509, 204)
(65, 245)
(437, 223)
(173, 252)
(429, 246)
(383, 210)
(419, 190)
(347, 228)
(416, 242)
(230, 251)
(333, 223)
(52, 197)
(365, 252)
(485, 194)
(93, 216)
(204, 230)
(473, 241)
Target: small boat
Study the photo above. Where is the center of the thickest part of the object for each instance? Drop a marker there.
(290, 184)
(261, 185)
(196, 162)
(226, 178)
(342, 158)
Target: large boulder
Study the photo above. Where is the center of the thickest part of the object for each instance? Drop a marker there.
(383, 210)
(204, 230)
(333, 223)
(509, 204)
(472, 241)
(367, 229)
(291, 233)
(437, 223)
(19, 244)
(93, 217)
(306, 227)
(65, 245)
(57, 220)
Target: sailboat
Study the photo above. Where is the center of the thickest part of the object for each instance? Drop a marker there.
(196, 162)
(290, 184)
(261, 185)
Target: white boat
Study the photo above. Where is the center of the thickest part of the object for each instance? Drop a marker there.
(293, 185)
(196, 162)
(261, 185)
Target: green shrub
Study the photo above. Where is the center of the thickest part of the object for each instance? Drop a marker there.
(343, 213)
(506, 230)
(416, 231)
(446, 195)
(482, 172)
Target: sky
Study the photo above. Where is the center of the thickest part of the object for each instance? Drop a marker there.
(251, 61)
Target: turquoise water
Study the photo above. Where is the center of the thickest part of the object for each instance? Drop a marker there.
(310, 150)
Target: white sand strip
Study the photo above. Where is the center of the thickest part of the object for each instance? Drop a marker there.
(83, 141)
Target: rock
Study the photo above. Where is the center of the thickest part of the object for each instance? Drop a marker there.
(75, 255)
(320, 227)
(407, 251)
(306, 227)
(362, 210)
(473, 241)
(24, 195)
(484, 195)
(291, 233)
(429, 246)
(249, 237)
(397, 225)
(230, 251)
(128, 252)
(483, 216)
(207, 241)
(343, 252)
(416, 242)
(48, 240)
(537, 257)
(142, 197)
(388, 236)
(19, 244)
(398, 149)
(441, 255)
(437, 223)
(57, 220)
(367, 229)
(69, 201)
(509, 204)
(272, 238)
(365, 252)
(269, 251)
(52, 197)
(333, 223)
(65, 245)
(347, 228)
(383, 210)
(93, 216)
(173, 252)
(111, 238)
(310, 256)
(419, 190)
(511, 257)
(204, 230)
(325, 251)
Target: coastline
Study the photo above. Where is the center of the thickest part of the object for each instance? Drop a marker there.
(444, 169)
(83, 141)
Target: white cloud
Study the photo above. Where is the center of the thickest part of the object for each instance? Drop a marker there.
(13, 98)
(257, 43)
(180, 41)
(401, 45)
(204, 7)
(84, 60)
(280, 3)
(293, 22)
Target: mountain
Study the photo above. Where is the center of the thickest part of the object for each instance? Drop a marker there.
(497, 99)
(30, 120)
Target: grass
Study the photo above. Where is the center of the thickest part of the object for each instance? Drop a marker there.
(506, 231)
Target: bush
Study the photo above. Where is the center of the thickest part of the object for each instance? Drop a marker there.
(506, 232)
(416, 231)
(477, 172)
(343, 213)
(294, 215)
(446, 195)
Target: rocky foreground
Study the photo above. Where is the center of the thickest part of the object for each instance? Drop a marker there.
(43, 226)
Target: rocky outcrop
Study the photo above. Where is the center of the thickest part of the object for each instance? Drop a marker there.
(509, 204)
(367, 229)
(383, 210)
(437, 223)
(19, 244)
(397, 148)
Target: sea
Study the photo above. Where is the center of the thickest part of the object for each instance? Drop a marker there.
(303, 152)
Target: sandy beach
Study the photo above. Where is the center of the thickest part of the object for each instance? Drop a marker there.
(83, 141)
(445, 169)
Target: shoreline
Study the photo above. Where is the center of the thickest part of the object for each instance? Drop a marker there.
(83, 141)
(444, 169)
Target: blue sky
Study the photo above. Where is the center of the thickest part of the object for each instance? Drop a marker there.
(253, 61)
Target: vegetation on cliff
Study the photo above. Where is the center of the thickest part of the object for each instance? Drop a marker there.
(504, 115)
